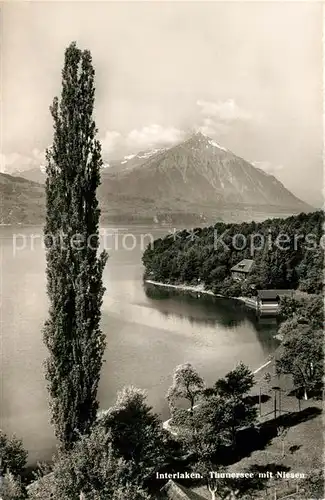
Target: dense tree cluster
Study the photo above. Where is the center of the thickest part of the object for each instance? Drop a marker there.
(215, 414)
(13, 456)
(136, 433)
(11, 487)
(303, 308)
(125, 446)
(212, 419)
(287, 253)
(302, 349)
(127, 443)
(92, 471)
(13, 459)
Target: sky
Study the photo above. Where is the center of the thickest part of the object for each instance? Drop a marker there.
(248, 74)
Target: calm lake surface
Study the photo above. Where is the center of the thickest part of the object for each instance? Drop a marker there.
(148, 334)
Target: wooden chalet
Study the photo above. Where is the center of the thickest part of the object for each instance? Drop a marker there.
(241, 270)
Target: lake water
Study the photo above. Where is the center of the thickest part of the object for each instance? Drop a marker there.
(148, 334)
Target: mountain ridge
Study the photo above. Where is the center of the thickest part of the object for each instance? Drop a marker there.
(193, 182)
(210, 172)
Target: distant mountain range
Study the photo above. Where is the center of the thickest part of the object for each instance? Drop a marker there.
(194, 182)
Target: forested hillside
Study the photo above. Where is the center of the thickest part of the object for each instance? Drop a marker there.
(287, 253)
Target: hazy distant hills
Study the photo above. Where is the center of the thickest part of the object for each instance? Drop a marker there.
(21, 201)
(33, 174)
(37, 174)
(196, 181)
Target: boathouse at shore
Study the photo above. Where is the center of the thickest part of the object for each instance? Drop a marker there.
(270, 299)
(267, 301)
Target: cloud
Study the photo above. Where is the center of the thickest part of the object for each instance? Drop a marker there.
(227, 111)
(114, 145)
(12, 162)
(212, 128)
(268, 167)
(146, 137)
(6, 161)
(214, 119)
(217, 118)
(154, 135)
(110, 141)
(38, 155)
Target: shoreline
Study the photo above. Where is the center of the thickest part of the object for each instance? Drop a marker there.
(201, 289)
(264, 365)
(185, 288)
(197, 289)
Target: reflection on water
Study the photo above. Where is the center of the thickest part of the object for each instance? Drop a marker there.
(149, 332)
(208, 310)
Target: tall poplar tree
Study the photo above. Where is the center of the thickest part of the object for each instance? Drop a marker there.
(74, 265)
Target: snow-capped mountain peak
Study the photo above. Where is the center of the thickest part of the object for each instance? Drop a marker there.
(148, 154)
(200, 139)
(216, 145)
(201, 170)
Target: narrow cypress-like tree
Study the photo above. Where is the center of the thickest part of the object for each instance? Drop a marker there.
(74, 266)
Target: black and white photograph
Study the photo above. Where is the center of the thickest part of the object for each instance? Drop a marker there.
(162, 250)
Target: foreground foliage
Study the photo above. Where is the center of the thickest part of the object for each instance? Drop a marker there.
(90, 468)
(126, 446)
(136, 433)
(303, 357)
(213, 419)
(11, 488)
(308, 309)
(13, 456)
(302, 349)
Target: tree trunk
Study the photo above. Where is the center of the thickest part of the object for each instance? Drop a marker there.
(192, 405)
(213, 493)
(305, 394)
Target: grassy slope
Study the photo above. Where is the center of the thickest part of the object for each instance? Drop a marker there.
(21, 201)
(305, 434)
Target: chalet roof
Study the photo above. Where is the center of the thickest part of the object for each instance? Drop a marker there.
(273, 294)
(244, 266)
(174, 491)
